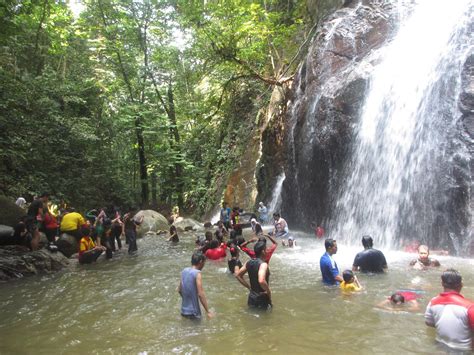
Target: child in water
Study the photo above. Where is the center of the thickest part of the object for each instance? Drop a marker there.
(173, 235)
(350, 283)
(402, 300)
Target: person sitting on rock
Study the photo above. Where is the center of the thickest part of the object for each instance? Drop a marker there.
(21, 236)
(424, 261)
(71, 224)
(256, 227)
(280, 227)
(88, 251)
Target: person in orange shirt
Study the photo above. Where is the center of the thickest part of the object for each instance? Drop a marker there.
(88, 251)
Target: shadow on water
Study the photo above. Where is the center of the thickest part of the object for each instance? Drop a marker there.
(130, 305)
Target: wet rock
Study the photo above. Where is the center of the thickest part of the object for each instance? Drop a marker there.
(153, 222)
(17, 261)
(6, 235)
(325, 102)
(187, 224)
(10, 213)
(67, 244)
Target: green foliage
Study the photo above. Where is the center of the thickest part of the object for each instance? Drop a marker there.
(82, 97)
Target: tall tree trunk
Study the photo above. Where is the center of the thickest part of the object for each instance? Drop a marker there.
(38, 56)
(142, 161)
(154, 190)
(178, 167)
(138, 121)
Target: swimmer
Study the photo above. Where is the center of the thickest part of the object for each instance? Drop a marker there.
(291, 242)
(350, 283)
(424, 261)
(403, 300)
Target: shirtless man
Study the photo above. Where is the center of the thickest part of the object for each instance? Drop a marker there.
(424, 261)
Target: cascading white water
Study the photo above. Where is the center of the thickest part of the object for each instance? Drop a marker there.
(398, 138)
(275, 203)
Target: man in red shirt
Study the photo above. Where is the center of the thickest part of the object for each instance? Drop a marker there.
(451, 314)
(269, 251)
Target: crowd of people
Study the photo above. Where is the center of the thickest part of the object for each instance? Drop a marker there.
(96, 232)
(101, 230)
(450, 313)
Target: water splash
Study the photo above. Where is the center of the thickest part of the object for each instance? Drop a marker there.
(275, 203)
(404, 130)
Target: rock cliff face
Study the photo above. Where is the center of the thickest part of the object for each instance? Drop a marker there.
(326, 100)
(318, 128)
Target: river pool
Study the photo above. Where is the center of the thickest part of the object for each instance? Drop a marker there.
(129, 305)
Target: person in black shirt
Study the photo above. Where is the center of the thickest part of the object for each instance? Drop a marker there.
(34, 219)
(370, 259)
(260, 294)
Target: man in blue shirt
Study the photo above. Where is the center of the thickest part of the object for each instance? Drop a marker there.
(328, 266)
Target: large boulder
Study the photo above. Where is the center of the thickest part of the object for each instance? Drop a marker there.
(10, 213)
(6, 235)
(186, 224)
(17, 261)
(153, 222)
(67, 244)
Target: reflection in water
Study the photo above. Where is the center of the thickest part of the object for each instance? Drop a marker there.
(130, 305)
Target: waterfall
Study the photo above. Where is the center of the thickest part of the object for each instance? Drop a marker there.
(275, 203)
(407, 136)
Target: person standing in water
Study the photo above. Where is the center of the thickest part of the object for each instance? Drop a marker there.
(191, 290)
(260, 295)
(451, 314)
(329, 269)
(262, 213)
(130, 223)
(370, 259)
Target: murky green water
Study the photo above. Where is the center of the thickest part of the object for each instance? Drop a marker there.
(130, 305)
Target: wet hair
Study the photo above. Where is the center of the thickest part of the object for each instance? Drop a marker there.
(173, 229)
(262, 240)
(208, 235)
(367, 241)
(85, 231)
(232, 234)
(240, 240)
(258, 228)
(197, 258)
(234, 251)
(329, 243)
(347, 275)
(276, 214)
(397, 298)
(451, 279)
(213, 244)
(259, 248)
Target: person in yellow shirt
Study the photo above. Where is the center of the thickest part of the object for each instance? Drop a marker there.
(71, 224)
(350, 283)
(88, 251)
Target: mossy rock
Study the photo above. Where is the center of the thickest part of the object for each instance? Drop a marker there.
(10, 213)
